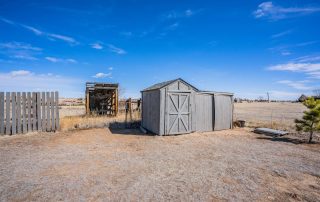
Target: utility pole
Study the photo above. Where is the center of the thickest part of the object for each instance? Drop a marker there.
(268, 96)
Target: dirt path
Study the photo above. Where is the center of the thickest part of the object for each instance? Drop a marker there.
(103, 165)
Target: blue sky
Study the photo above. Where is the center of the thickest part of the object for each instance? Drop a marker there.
(246, 47)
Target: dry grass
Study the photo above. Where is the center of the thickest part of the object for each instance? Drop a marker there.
(68, 123)
(257, 114)
(271, 115)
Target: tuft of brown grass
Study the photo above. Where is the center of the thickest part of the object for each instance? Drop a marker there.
(69, 123)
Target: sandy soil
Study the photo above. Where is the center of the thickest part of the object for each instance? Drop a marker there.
(104, 165)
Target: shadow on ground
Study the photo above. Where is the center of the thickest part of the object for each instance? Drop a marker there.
(127, 128)
(286, 139)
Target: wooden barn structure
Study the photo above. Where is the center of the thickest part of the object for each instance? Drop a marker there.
(177, 107)
(102, 98)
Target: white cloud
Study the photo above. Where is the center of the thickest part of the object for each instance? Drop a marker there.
(68, 87)
(299, 85)
(180, 14)
(173, 26)
(285, 49)
(117, 50)
(281, 34)
(110, 68)
(270, 11)
(7, 21)
(71, 60)
(54, 60)
(308, 58)
(285, 53)
(32, 29)
(20, 50)
(97, 46)
(63, 38)
(310, 69)
(38, 32)
(24, 56)
(20, 73)
(102, 75)
(188, 12)
(296, 67)
(19, 45)
(126, 34)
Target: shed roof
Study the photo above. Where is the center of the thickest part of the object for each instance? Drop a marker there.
(99, 85)
(166, 83)
(215, 93)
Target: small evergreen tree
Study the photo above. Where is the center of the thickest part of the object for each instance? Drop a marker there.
(310, 121)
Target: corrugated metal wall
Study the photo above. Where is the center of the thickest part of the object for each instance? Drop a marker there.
(151, 110)
(223, 112)
(204, 115)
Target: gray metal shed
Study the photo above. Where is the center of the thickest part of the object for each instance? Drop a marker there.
(177, 107)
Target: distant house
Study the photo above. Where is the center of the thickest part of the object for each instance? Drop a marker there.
(302, 98)
(316, 97)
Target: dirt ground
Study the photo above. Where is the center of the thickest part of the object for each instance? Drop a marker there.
(123, 165)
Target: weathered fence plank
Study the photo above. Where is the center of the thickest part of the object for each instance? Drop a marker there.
(48, 111)
(18, 112)
(52, 112)
(29, 111)
(8, 117)
(1, 113)
(43, 106)
(39, 111)
(24, 113)
(34, 111)
(13, 111)
(57, 110)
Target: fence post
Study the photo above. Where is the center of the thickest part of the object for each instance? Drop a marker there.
(1, 113)
(13, 111)
(8, 117)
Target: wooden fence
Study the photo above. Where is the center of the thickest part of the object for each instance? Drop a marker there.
(26, 112)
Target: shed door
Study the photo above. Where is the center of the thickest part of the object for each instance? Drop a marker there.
(223, 112)
(178, 113)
